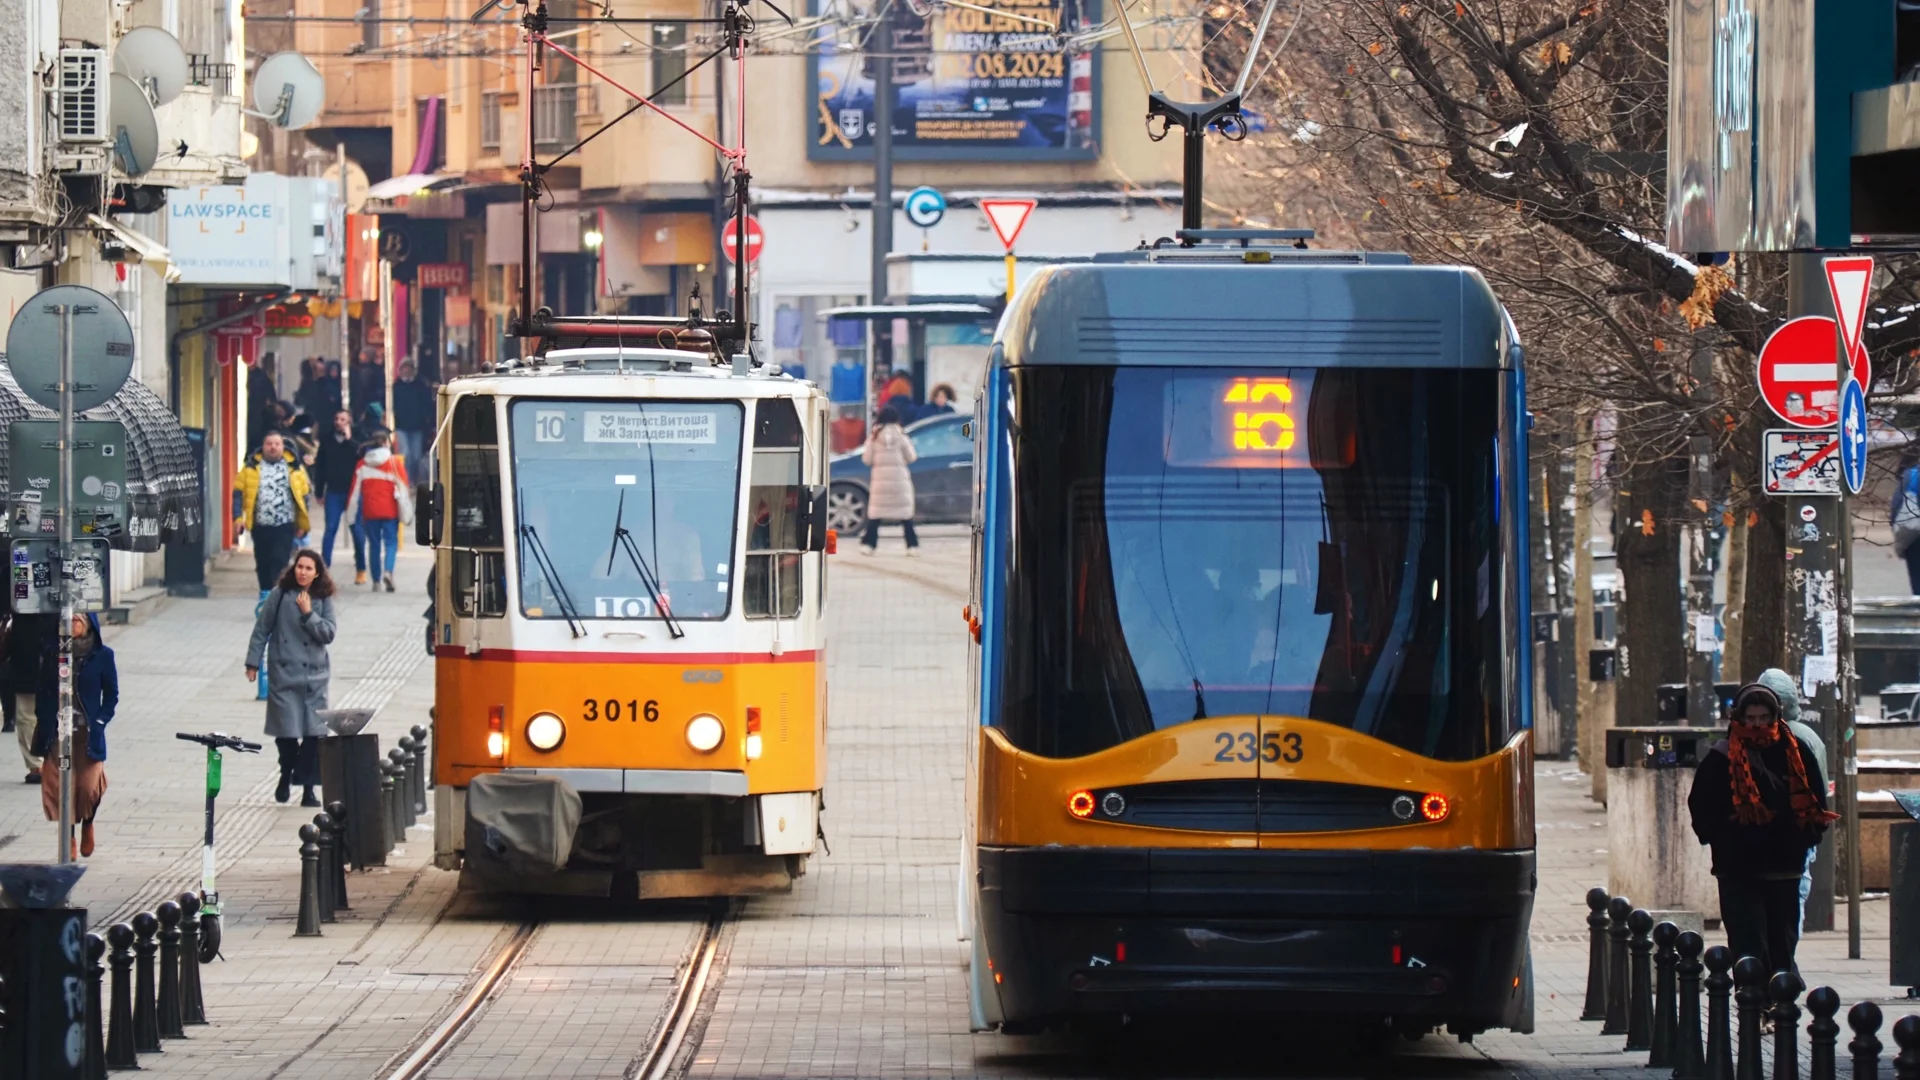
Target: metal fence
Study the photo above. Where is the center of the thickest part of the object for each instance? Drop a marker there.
(556, 112)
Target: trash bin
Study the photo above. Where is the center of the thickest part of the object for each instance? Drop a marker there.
(350, 773)
(43, 960)
(1671, 701)
(1903, 893)
(1653, 857)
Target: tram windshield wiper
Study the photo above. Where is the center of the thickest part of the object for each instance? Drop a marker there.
(623, 540)
(550, 574)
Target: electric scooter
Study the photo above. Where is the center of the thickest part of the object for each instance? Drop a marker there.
(209, 893)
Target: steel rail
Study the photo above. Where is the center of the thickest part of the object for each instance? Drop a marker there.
(421, 1060)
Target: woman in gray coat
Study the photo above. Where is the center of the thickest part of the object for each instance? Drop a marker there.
(297, 618)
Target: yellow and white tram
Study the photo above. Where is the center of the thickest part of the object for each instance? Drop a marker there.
(630, 679)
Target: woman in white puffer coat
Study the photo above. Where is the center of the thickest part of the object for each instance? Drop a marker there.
(889, 455)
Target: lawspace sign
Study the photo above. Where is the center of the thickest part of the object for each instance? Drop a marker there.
(231, 235)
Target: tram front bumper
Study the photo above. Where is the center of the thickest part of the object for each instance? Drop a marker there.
(1435, 936)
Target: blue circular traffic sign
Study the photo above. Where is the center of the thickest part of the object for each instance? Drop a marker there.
(1853, 436)
(925, 207)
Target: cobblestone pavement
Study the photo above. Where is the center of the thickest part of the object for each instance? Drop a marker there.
(856, 973)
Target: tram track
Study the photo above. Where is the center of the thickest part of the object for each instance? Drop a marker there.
(675, 1028)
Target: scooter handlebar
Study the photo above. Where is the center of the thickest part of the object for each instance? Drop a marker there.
(217, 739)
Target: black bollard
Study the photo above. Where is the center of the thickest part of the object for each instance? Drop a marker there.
(193, 1008)
(1687, 1061)
(1784, 989)
(406, 793)
(323, 837)
(338, 812)
(308, 924)
(1719, 1063)
(120, 1038)
(1640, 982)
(1823, 1033)
(146, 1017)
(169, 1003)
(96, 1019)
(1750, 1001)
(1864, 1020)
(395, 836)
(1615, 1022)
(420, 779)
(1596, 1006)
(1665, 936)
(1906, 1036)
(402, 762)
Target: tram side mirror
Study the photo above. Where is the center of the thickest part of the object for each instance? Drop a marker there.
(966, 429)
(816, 517)
(1332, 582)
(426, 514)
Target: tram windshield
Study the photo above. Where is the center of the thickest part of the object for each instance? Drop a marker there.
(1187, 543)
(666, 472)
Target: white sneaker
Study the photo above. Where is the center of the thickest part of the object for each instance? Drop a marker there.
(913, 553)
(865, 550)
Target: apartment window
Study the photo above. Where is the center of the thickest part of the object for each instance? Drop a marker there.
(670, 62)
(370, 26)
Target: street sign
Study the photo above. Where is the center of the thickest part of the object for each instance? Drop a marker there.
(925, 207)
(1853, 435)
(1800, 462)
(755, 239)
(1796, 370)
(102, 346)
(34, 562)
(1008, 217)
(1848, 280)
(99, 476)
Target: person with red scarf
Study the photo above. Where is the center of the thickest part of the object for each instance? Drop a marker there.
(1757, 802)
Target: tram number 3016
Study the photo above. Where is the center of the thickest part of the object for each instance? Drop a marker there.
(1270, 746)
(613, 709)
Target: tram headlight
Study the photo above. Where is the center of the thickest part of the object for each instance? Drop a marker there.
(705, 733)
(545, 732)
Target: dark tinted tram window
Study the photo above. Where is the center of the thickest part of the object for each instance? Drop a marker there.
(1312, 543)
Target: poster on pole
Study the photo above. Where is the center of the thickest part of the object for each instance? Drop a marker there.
(1799, 462)
(996, 80)
(36, 561)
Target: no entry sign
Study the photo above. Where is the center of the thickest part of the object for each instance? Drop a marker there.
(757, 239)
(1797, 372)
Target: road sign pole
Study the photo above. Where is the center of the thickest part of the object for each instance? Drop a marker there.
(65, 670)
(1843, 688)
(1010, 278)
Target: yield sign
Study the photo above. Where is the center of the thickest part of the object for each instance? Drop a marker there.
(1847, 280)
(1008, 217)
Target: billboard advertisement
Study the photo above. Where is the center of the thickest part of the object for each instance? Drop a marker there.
(993, 81)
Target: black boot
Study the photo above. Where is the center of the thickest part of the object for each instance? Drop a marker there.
(284, 790)
(308, 798)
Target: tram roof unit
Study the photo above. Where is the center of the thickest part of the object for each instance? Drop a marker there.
(610, 372)
(1238, 299)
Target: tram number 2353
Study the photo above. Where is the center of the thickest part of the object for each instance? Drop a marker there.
(1269, 746)
(613, 709)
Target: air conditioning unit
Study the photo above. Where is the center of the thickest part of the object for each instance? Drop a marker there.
(81, 96)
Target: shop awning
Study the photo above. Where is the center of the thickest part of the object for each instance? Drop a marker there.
(933, 313)
(410, 184)
(163, 489)
(151, 252)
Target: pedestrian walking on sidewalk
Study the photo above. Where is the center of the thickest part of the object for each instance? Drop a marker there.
(271, 497)
(96, 694)
(413, 416)
(1905, 516)
(26, 654)
(338, 456)
(888, 455)
(380, 502)
(1756, 803)
(298, 619)
(1783, 687)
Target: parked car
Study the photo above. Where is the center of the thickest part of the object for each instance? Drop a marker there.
(942, 477)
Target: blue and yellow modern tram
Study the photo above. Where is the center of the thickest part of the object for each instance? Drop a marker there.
(1250, 642)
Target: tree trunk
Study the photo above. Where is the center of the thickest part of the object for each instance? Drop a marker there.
(1648, 523)
(1734, 617)
(1763, 614)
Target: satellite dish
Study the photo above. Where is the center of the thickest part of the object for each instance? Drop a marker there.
(289, 90)
(154, 59)
(102, 345)
(136, 133)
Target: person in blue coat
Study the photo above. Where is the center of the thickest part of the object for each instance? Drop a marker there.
(96, 694)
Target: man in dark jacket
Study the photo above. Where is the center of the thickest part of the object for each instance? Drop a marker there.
(27, 642)
(1756, 801)
(413, 417)
(333, 469)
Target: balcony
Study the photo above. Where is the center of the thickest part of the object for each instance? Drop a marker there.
(556, 113)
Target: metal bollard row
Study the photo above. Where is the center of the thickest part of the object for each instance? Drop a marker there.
(1662, 1013)
(155, 991)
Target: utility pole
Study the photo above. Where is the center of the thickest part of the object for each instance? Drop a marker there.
(62, 581)
(880, 54)
(1813, 602)
(1703, 705)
